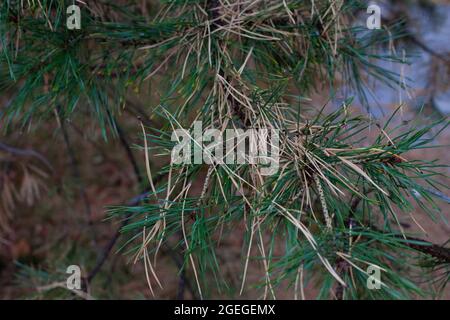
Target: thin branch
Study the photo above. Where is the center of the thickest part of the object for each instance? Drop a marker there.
(442, 254)
(436, 251)
(129, 152)
(108, 248)
(25, 153)
(427, 49)
(76, 172)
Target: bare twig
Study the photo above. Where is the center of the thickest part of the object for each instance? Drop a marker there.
(108, 248)
(441, 253)
(428, 50)
(25, 153)
(76, 172)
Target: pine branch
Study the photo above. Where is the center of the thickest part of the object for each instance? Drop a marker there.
(440, 253)
(77, 175)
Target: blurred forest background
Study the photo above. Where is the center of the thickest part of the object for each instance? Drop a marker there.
(57, 180)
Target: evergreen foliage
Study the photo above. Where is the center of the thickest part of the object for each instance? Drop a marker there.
(335, 202)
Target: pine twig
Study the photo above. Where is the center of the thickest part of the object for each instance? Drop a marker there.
(436, 251)
(25, 153)
(76, 172)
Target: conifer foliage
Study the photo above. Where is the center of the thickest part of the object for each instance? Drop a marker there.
(328, 217)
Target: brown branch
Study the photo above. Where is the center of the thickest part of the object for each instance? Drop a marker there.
(183, 281)
(25, 153)
(428, 50)
(436, 251)
(133, 202)
(441, 253)
(76, 174)
(110, 245)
